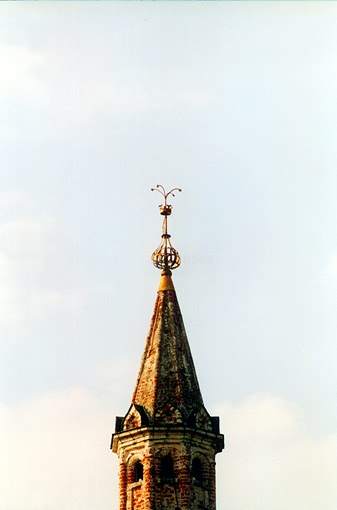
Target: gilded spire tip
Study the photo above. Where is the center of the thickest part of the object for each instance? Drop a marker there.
(165, 257)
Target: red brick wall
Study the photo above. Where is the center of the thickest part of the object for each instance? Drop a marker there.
(182, 490)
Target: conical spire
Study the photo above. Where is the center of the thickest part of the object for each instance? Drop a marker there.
(167, 387)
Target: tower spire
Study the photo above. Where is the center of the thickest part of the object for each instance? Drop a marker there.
(167, 441)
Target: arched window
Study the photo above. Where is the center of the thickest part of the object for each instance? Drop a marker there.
(167, 467)
(196, 470)
(138, 471)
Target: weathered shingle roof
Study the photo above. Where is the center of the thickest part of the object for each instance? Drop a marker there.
(167, 387)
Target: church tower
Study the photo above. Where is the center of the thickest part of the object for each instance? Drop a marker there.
(167, 441)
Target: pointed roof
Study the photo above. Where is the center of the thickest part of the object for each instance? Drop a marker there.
(167, 387)
(167, 392)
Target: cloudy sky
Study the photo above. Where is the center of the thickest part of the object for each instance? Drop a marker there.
(235, 102)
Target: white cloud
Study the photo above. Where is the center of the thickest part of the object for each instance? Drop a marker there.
(98, 96)
(271, 462)
(22, 236)
(19, 259)
(27, 289)
(55, 454)
(20, 300)
(19, 79)
(22, 88)
(55, 448)
(78, 95)
(30, 76)
(10, 199)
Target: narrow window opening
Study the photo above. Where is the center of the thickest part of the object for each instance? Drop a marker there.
(138, 471)
(197, 470)
(167, 467)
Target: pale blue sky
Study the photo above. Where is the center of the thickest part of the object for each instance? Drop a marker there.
(235, 102)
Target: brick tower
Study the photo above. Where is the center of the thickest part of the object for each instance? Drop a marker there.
(167, 441)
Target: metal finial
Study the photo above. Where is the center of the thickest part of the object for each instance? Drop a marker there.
(165, 257)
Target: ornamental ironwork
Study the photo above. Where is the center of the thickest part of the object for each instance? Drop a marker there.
(165, 257)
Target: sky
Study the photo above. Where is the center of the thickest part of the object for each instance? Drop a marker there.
(235, 103)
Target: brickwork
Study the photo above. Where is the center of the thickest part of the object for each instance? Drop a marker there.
(167, 386)
(167, 441)
(122, 485)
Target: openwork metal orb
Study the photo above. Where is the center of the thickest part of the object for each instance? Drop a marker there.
(165, 256)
